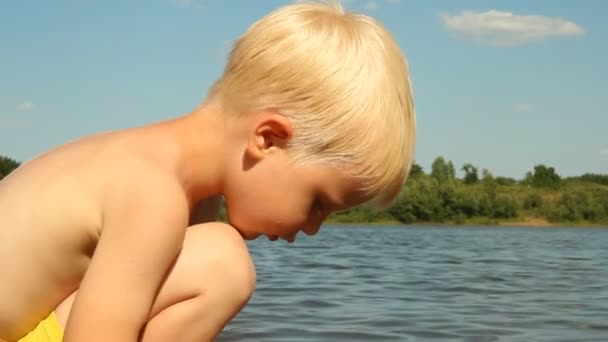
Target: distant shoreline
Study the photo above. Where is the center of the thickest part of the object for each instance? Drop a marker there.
(536, 223)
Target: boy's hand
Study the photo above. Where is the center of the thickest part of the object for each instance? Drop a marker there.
(143, 231)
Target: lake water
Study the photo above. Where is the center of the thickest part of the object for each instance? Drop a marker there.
(383, 283)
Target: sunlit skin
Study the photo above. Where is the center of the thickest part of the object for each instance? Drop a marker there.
(148, 184)
(117, 232)
(276, 197)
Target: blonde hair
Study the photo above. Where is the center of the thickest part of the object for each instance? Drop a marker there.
(341, 79)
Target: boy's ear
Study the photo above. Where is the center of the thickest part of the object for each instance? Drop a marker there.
(270, 131)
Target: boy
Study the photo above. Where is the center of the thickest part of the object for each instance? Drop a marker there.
(101, 239)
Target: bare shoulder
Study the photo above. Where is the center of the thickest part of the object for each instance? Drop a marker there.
(144, 187)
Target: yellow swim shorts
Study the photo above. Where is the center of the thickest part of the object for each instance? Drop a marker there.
(48, 330)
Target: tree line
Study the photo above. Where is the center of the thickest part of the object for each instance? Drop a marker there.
(7, 165)
(478, 197)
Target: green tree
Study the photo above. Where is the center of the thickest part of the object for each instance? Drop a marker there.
(527, 179)
(487, 176)
(594, 178)
(545, 177)
(505, 181)
(418, 202)
(443, 171)
(362, 213)
(576, 206)
(7, 165)
(468, 203)
(533, 201)
(489, 184)
(505, 206)
(416, 170)
(446, 193)
(438, 197)
(470, 174)
(601, 198)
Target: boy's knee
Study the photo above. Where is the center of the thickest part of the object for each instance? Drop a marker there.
(225, 266)
(212, 280)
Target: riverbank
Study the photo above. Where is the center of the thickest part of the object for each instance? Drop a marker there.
(527, 222)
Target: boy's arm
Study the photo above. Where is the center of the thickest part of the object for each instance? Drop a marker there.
(143, 231)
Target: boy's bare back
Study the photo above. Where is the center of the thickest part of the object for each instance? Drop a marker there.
(51, 218)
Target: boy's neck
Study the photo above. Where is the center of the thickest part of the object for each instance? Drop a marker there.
(203, 152)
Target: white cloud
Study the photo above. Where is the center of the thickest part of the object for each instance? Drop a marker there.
(25, 106)
(371, 5)
(604, 151)
(498, 28)
(523, 108)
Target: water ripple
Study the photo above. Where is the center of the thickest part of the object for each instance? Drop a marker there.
(429, 284)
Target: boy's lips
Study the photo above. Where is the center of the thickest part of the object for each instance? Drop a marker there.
(289, 239)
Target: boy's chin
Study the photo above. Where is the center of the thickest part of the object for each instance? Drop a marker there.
(254, 236)
(270, 237)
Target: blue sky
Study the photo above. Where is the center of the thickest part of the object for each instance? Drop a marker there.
(503, 85)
